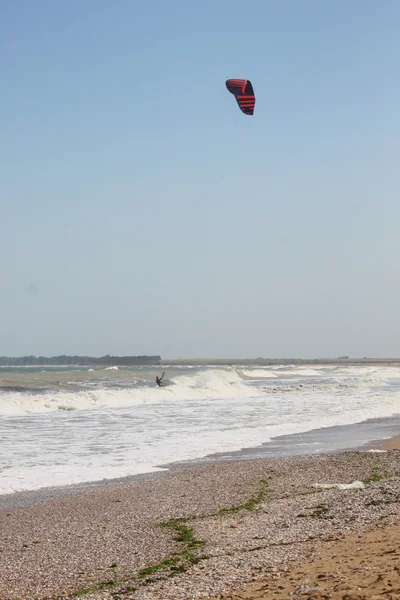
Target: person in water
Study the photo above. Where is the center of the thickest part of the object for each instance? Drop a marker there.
(159, 379)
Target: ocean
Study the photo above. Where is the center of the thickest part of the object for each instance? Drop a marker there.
(73, 425)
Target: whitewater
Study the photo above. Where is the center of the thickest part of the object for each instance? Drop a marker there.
(63, 426)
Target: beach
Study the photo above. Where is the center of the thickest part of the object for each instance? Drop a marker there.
(241, 529)
(229, 482)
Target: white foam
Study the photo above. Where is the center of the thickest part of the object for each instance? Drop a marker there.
(259, 373)
(303, 372)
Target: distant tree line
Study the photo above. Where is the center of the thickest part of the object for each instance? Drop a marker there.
(63, 359)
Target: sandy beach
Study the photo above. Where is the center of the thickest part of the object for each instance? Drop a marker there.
(363, 565)
(248, 529)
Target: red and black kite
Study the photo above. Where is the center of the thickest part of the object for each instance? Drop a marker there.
(244, 94)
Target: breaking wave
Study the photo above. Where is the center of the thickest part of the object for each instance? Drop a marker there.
(207, 384)
(211, 383)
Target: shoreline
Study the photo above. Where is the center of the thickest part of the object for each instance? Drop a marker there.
(192, 492)
(354, 437)
(280, 361)
(390, 444)
(198, 531)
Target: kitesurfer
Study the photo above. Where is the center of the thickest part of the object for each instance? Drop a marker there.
(159, 379)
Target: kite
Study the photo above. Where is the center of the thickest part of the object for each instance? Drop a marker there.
(244, 94)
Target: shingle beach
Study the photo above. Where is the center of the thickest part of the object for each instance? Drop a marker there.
(203, 532)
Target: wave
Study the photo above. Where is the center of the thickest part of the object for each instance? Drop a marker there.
(259, 373)
(211, 383)
(303, 372)
(207, 384)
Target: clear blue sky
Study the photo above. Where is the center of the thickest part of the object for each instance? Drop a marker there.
(142, 212)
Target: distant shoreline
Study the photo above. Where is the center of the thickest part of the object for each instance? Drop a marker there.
(280, 361)
(156, 360)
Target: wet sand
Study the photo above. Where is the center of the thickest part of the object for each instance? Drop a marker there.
(391, 444)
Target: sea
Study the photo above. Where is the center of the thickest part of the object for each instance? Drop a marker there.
(68, 426)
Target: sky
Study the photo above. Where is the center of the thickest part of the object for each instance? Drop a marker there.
(143, 213)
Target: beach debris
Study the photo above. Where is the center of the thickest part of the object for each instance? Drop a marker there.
(356, 485)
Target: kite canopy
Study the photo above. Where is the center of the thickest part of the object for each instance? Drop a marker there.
(244, 94)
